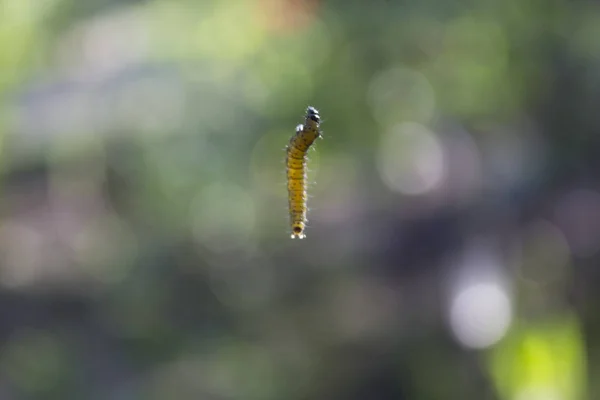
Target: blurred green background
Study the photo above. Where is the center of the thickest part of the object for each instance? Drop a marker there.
(453, 243)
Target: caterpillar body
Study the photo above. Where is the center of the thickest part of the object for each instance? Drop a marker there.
(296, 161)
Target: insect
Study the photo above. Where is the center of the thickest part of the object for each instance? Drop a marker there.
(296, 161)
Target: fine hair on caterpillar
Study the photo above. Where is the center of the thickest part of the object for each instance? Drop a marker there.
(296, 164)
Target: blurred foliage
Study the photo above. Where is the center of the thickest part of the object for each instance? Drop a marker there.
(454, 231)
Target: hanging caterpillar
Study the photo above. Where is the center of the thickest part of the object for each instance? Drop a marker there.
(296, 160)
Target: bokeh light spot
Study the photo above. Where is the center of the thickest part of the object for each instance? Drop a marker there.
(411, 159)
(480, 315)
(400, 94)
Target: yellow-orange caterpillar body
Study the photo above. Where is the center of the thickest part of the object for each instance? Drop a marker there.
(296, 161)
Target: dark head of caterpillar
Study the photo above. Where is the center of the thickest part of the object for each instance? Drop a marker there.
(313, 119)
(313, 114)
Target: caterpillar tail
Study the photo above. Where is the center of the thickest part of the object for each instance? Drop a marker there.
(298, 230)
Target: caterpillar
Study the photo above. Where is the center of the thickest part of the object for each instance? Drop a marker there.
(296, 160)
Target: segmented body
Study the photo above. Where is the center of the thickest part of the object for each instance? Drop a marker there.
(296, 162)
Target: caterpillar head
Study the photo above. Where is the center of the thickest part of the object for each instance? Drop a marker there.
(313, 114)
